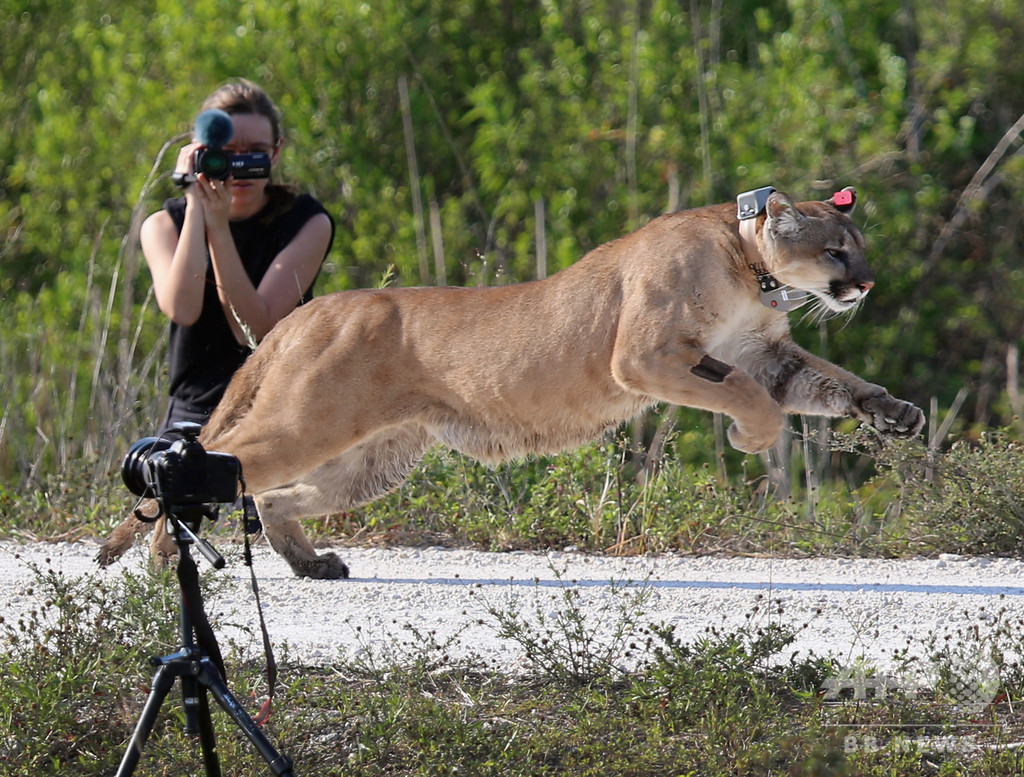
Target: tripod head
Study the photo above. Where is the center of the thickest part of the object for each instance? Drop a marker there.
(183, 525)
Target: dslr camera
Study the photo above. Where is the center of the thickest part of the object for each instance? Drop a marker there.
(180, 473)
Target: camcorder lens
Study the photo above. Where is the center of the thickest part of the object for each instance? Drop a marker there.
(214, 163)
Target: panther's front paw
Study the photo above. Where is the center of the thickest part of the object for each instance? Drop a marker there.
(893, 416)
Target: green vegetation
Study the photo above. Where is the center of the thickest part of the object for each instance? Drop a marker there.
(912, 502)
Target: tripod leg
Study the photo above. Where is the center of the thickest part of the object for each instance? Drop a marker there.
(163, 680)
(211, 678)
(207, 737)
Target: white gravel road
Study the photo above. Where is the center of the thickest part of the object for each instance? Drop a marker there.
(851, 608)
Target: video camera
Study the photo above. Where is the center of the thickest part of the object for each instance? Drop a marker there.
(180, 473)
(221, 165)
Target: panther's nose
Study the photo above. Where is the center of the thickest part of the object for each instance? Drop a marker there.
(865, 286)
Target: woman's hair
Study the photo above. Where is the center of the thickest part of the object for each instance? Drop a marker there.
(243, 96)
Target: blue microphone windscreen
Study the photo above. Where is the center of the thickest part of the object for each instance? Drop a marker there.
(213, 128)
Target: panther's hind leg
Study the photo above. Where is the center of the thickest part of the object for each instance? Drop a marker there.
(162, 550)
(359, 475)
(124, 534)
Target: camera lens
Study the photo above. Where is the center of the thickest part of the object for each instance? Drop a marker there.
(137, 469)
(214, 163)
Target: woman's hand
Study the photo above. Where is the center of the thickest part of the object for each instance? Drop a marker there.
(214, 197)
(184, 168)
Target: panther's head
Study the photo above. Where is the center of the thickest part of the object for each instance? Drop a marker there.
(816, 247)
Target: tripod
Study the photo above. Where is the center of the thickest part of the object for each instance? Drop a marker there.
(198, 666)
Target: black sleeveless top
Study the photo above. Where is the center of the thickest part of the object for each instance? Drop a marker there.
(204, 356)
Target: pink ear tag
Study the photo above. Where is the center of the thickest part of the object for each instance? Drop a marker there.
(842, 199)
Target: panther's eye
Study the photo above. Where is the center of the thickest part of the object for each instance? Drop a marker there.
(836, 255)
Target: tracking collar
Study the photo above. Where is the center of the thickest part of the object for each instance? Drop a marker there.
(750, 205)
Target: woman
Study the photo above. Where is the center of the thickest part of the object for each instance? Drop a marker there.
(231, 258)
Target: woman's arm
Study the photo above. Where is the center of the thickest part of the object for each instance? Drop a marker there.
(176, 262)
(289, 275)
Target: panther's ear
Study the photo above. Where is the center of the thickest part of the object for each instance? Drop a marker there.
(844, 201)
(783, 217)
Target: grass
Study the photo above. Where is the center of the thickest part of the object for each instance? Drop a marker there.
(726, 703)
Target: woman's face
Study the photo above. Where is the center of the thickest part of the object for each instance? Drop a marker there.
(252, 133)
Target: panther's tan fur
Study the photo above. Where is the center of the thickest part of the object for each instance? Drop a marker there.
(342, 398)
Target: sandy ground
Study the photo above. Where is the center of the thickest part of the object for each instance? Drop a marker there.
(402, 599)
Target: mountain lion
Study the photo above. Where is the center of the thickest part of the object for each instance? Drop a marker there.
(340, 401)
